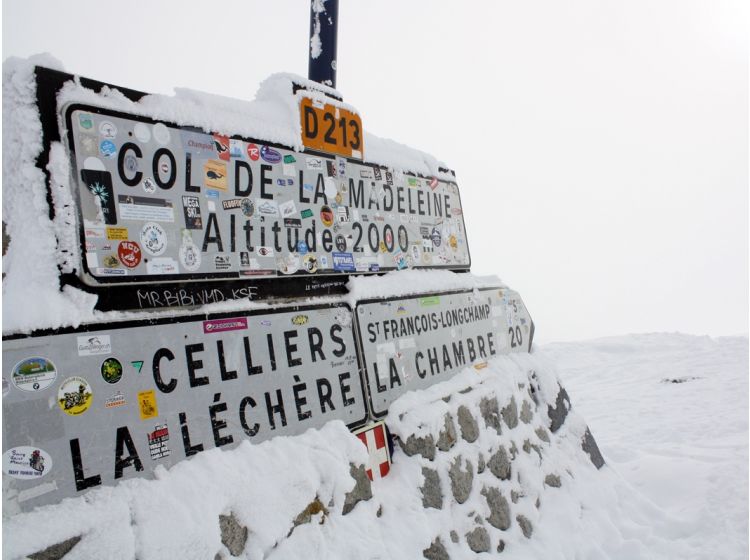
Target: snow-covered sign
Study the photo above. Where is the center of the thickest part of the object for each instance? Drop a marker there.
(413, 342)
(162, 202)
(128, 397)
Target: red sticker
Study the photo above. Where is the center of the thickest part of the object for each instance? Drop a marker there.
(129, 253)
(253, 152)
(221, 143)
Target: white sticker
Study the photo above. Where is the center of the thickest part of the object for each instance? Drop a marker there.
(92, 261)
(94, 164)
(267, 207)
(142, 132)
(26, 463)
(34, 374)
(190, 257)
(330, 187)
(94, 345)
(161, 133)
(287, 208)
(107, 129)
(387, 348)
(162, 265)
(288, 169)
(154, 239)
(144, 212)
(405, 343)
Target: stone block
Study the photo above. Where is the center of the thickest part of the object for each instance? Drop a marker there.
(558, 414)
(233, 535)
(552, 480)
(499, 464)
(542, 434)
(588, 444)
(447, 437)
(424, 446)
(468, 425)
(510, 414)
(525, 524)
(461, 480)
(362, 488)
(527, 413)
(478, 540)
(499, 508)
(436, 551)
(489, 409)
(432, 494)
(56, 551)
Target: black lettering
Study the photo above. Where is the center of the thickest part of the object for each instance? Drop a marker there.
(169, 183)
(189, 449)
(345, 389)
(324, 394)
(194, 365)
(212, 224)
(82, 482)
(315, 338)
(218, 424)
(136, 178)
(226, 375)
(244, 403)
(240, 165)
(156, 367)
(121, 463)
(275, 409)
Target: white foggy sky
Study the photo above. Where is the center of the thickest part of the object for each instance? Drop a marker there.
(601, 147)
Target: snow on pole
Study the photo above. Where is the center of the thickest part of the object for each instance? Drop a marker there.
(324, 17)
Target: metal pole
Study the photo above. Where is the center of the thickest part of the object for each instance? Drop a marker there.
(324, 17)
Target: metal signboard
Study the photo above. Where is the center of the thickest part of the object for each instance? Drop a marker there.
(159, 203)
(93, 406)
(329, 128)
(413, 342)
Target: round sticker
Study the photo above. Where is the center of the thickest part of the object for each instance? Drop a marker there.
(149, 185)
(288, 265)
(108, 148)
(247, 207)
(326, 215)
(340, 243)
(453, 242)
(161, 133)
(129, 253)
(26, 463)
(34, 374)
(436, 237)
(302, 247)
(131, 163)
(310, 263)
(190, 257)
(107, 129)
(111, 370)
(388, 238)
(142, 132)
(74, 396)
(253, 152)
(402, 237)
(154, 239)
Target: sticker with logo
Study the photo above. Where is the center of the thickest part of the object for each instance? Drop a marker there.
(253, 152)
(343, 262)
(269, 155)
(231, 203)
(222, 262)
(267, 207)
(191, 206)
(453, 242)
(129, 253)
(89, 145)
(264, 251)
(330, 168)
(154, 239)
(26, 462)
(289, 264)
(94, 345)
(107, 130)
(111, 370)
(326, 216)
(147, 406)
(300, 320)
(433, 183)
(190, 255)
(287, 208)
(117, 233)
(215, 174)
(340, 243)
(74, 396)
(436, 237)
(110, 261)
(85, 121)
(223, 325)
(400, 259)
(107, 148)
(342, 212)
(302, 248)
(310, 263)
(221, 143)
(247, 207)
(162, 265)
(34, 374)
(306, 213)
(293, 223)
(149, 185)
(157, 442)
(116, 400)
(314, 163)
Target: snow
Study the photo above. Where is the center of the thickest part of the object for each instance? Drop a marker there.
(674, 486)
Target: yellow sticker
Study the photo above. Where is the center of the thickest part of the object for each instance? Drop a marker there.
(147, 404)
(74, 396)
(215, 174)
(117, 233)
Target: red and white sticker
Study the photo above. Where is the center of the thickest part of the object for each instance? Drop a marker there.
(129, 253)
(374, 438)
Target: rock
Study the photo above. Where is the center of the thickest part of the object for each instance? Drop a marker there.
(379, 513)
(588, 444)
(499, 508)
(447, 437)
(480, 464)
(542, 434)
(362, 489)
(56, 551)
(552, 480)
(468, 425)
(305, 516)
(233, 535)
(501, 545)
(527, 414)
(558, 414)
(525, 524)
(528, 446)
(454, 537)
(432, 494)
(499, 464)
(478, 540)
(514, 496)
(513, 451)
(436, 551)
(510, 414)
(461, 480)
(488, 409)
(424, 446)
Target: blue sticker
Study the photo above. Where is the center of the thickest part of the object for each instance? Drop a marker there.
(343, 262)
(302, 247)
(374, 268)
(270, 155)
(212, 194)
(281, 182)
(108, 148)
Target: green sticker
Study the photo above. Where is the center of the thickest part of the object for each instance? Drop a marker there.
(430, 300)
(307, 213)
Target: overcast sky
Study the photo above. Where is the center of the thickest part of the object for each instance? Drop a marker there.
(601, 147)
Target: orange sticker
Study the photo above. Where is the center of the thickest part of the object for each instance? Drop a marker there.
(147, 405)
(331, 129)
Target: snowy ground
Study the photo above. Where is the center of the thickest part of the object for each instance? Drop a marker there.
(683, 446)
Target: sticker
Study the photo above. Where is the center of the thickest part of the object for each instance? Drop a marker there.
(223, 325)
(107, 130)
(109, 271)
(330, 187)
(222, 262)
(191, 206)
(107, 148)
(253, 152)
(149, 185)
(247, 207)
(161, 133)
(110, 261)
(162, 265)
(300, 320)
(231, 203)
(147, 405)
(117, 233)
(154, 239)
(145, 209)
(302, 248)
(270, 155)
(142, 132)
(429, 301)
(129, 253)
(326, 216)
(264, 251)
(235, 148)
(157, 442)
(215, 174)
(190, 256)
(74, 396)
(288, 265)
(111, 370)
(85, 122)
(306, 213)
(330, 168)
(118, 399)
(340, 243)
(138, 365)
(94, 345)
(293, 223)
(343, 262)
(289, 158)
(267, 207)
(310, 263)
(221, 143)
(436, 237)
(26, 463)
(33, 374)
(287, 209)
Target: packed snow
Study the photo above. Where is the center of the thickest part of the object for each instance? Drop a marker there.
(669, 412)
